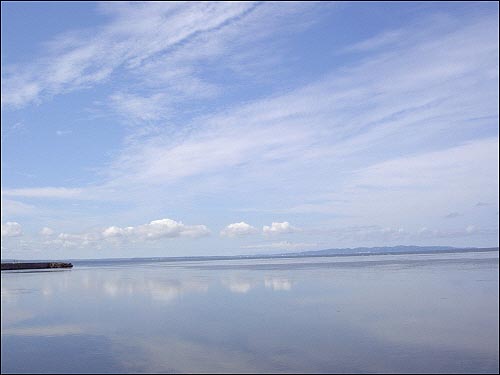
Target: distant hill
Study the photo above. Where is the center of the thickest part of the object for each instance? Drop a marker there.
(386, 250)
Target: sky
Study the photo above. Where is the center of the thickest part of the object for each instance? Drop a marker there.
(225, 128)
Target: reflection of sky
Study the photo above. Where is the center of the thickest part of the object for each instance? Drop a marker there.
(237, 284)
(275, 317)
(278, 284)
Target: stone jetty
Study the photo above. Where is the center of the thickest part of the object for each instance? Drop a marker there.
(34, 266)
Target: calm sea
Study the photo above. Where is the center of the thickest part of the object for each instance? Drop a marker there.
(387, 313)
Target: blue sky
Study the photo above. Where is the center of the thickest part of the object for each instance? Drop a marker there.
(170, 129)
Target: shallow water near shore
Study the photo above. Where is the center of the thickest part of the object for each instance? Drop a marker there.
(387, 313)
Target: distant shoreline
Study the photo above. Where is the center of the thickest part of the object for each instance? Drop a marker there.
(312, 254)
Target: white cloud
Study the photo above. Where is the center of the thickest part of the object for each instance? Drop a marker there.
(307, 133)
(279, 228)
(139, 108)
(429, 181)
(61, 133)
(283, 245)
(303, 135)
(135, 34)
(14, 208)
(195, 231)
(163, 228)
(11, 229)
(437, 169)
(46, 232)
(169, 228)
(238, 229)
(385, 39)
(114, 232)
(422, 184)
(470, 229)
(386, 126)
(44, 192)
(7, 131)
(155, 230)
(69, 240)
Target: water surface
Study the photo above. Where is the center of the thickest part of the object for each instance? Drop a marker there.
(387, 313)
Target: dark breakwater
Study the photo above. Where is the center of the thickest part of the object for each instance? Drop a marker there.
(33, 266)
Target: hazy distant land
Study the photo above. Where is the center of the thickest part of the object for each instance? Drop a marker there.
(334, 252)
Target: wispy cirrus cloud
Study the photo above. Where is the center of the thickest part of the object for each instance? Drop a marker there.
(61, 133)
(138, 108)
(12, 207)
(309, 124)
(323, 122)
(135, 33)
(44, 192)
(395, 135)
(155, 45)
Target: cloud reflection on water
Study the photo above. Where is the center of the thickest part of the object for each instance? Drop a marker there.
(183, 318)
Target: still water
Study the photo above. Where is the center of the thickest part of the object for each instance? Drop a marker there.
(397, 313)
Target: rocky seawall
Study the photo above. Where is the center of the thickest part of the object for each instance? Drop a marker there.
(34, 266)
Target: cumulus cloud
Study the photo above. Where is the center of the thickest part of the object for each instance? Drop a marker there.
(154, 230)
(76, 240)
(452, 215)
(278, 228)
(11, 229)
(46, 231)
(163, 228)
(114, 232)
(170, 228)
(238, 229)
